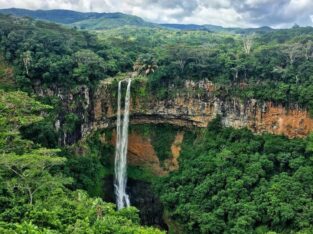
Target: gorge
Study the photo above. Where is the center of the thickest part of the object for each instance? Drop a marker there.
(210, 132)
(186, 111)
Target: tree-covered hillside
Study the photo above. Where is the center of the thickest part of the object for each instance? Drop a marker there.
(104, 21)
(215, 28)
(82, 20)
(57, 16)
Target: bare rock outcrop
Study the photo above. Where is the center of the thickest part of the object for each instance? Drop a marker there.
(196, 105)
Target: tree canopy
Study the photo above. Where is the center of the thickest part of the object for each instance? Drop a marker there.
(231, 181)
(35, 196)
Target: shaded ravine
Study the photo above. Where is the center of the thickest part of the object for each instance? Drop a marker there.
(143, 197)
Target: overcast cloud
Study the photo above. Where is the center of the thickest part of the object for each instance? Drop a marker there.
(243, 13)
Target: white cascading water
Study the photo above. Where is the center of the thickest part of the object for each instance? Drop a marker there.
(120, 166)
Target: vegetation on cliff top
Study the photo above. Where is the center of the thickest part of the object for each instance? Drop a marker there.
(270, 66)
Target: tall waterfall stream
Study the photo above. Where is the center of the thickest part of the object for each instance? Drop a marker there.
(120, 164)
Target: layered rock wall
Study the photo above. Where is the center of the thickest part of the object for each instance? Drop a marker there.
(196, 105)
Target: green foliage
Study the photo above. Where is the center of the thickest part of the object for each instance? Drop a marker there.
(79, 18)
(6, 75)
(48, 54)
(42, 132)
(88, 173)
(140, 174)
(76, 213)
(161, 137)
(34, 194)
(90, 66)
(141, 89)
(145, 64)
(71, 122)
(17, 110)
(118, 21)
(28, 175)
(231, 181)
(276, 68)
(89, 163)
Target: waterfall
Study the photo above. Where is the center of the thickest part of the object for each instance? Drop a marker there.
(120, 165)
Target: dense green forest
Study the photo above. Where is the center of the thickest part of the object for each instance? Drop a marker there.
(272, 66)
(229, 181)
(35, 194)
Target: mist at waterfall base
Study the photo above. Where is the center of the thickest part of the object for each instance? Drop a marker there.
(120, 164)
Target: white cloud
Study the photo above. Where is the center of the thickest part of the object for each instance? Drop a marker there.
(224, 17)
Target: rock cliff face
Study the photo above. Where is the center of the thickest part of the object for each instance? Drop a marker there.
(74, 101)
(193, 106)
(196, 105)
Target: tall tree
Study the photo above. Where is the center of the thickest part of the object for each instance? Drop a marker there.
(29, 174)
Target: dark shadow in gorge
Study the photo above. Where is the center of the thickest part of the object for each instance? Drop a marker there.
(143, 198)
(150, 207)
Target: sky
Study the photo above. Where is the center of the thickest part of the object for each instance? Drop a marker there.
(229, 13)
